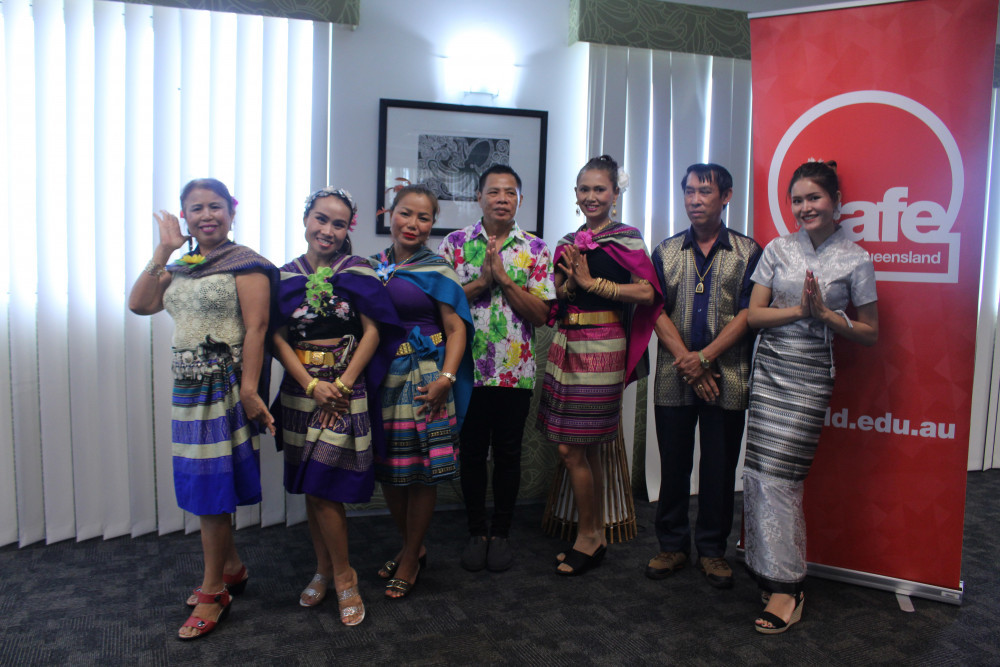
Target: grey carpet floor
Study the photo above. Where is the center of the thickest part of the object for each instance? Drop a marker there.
(120, 601)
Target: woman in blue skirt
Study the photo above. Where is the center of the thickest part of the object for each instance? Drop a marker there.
(219, 296)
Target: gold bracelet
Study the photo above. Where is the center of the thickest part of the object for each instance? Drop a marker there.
(311, 386)
(154, 269)
(344, 389)
(605, 289)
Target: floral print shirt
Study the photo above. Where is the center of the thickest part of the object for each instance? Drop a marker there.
(503, 346)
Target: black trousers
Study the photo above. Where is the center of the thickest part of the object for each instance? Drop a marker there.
(495, 418)
(721, 438)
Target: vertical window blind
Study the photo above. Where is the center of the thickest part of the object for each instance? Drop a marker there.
(657, 112)
(107, 109)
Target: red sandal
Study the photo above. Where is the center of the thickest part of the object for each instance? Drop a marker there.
(235, 584)
(204, 625)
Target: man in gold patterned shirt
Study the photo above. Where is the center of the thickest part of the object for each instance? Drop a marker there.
(701, 374)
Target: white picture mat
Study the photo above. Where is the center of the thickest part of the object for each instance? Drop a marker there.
(404, 127)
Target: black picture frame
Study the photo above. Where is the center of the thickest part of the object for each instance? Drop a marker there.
(413, 136)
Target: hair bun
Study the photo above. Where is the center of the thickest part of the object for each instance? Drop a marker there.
(832, 164)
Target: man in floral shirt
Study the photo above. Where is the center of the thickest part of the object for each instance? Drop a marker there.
(507, 274)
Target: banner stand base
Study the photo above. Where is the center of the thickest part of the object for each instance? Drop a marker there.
(912, 589)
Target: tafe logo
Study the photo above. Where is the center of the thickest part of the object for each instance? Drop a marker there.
(901, 174)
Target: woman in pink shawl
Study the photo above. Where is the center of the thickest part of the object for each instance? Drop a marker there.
(608, 301)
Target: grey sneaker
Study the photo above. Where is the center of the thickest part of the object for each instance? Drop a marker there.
(474, 555)
(717, 571)
(665, 563)
(500, 556)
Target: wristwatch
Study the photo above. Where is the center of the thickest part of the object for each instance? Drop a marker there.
(451, 377)
(705, 363)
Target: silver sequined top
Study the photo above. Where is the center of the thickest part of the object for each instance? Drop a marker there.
(843, 268)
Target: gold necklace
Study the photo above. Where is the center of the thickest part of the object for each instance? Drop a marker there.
(700, 287)
(600, 228)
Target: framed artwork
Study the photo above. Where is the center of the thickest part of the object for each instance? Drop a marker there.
(447, 146)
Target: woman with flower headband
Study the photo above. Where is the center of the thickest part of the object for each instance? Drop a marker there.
(219, 296)
(802, 285)
(428, 386)
(326, 337)
(608, 301)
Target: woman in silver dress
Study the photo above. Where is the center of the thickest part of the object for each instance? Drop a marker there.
(801, 287)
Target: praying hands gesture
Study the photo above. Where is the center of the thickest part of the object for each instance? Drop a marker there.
(812, 297)
(492, 272)
(863, 329)
(487, 271)
(494, 261)
(574, 264)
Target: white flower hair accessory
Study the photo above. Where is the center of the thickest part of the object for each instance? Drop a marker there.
(623, 180)
(341, 193)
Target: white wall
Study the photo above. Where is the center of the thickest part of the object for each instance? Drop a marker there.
(396, 52)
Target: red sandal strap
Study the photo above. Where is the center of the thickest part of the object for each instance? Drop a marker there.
(235, 578)
(222, 597)
(199, 624)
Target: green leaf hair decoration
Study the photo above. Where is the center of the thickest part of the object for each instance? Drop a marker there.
(318, 290)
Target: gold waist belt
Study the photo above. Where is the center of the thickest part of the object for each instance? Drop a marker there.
(407, 348)
(316, 357)
(596, 317)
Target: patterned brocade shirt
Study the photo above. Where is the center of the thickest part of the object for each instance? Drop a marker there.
(503, 347)
(701, 316)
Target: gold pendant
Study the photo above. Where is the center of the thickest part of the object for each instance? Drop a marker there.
(699, 288)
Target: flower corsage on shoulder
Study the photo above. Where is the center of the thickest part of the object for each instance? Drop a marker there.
(319, 292)
(584, 240)
(190, 260)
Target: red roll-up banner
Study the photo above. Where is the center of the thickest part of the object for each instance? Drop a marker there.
(899, 95)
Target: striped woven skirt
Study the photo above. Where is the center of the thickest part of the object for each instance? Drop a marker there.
(216, 455)
(417, 450)
(582, 391)
(789, 394)
(336, 462)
